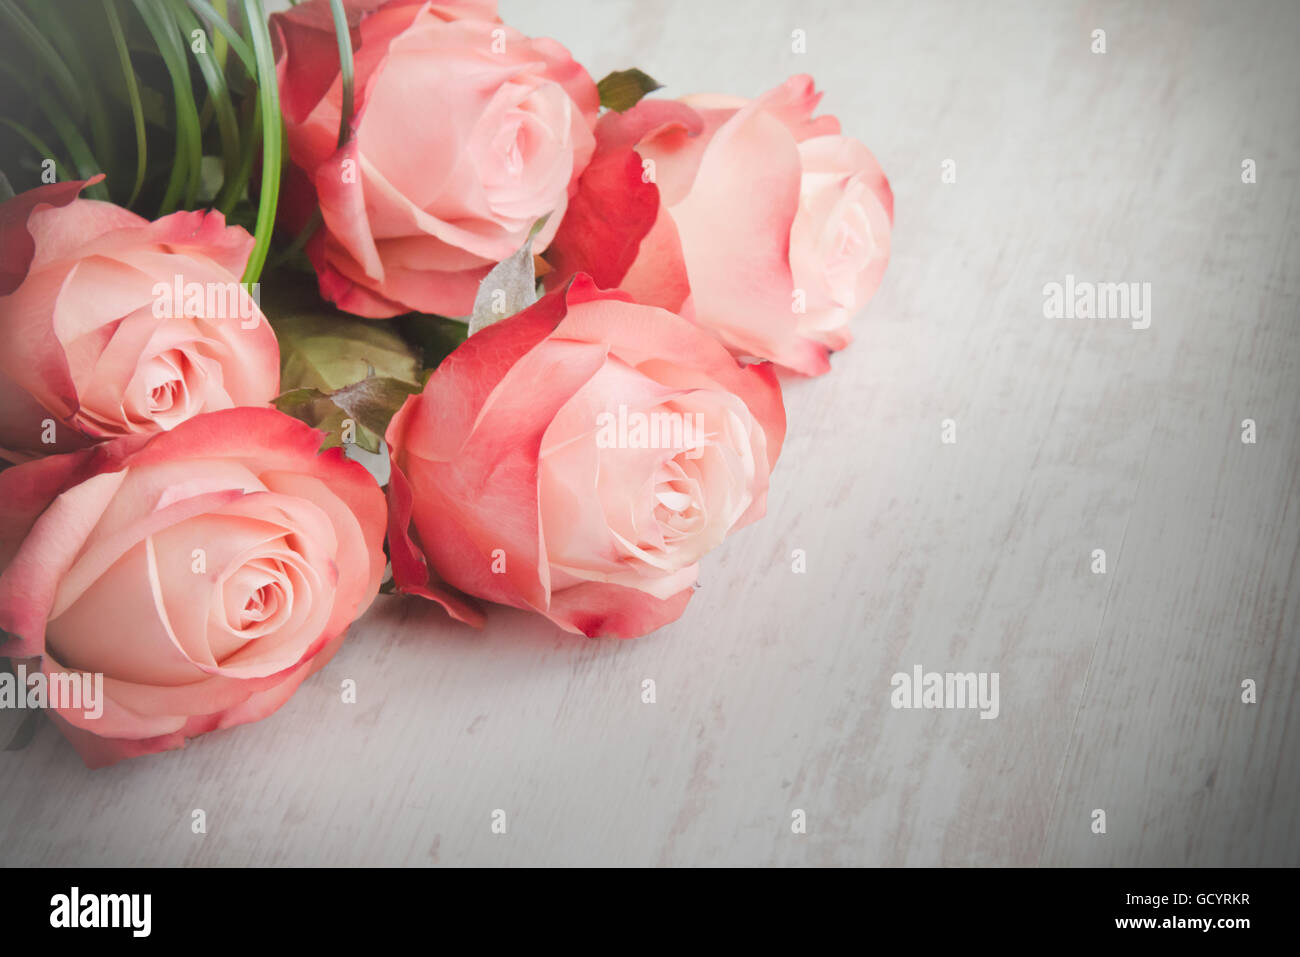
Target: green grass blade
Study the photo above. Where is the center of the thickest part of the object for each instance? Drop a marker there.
(220, 46)
(346, 74)
(224, 109)
(83, 160)
(38, 144)
(184, 181)
(64, 41)
(35, 41)
(215, 19)
(82, 157)
(133, 93)
(268, 93)
(345, 69)
(233, 188)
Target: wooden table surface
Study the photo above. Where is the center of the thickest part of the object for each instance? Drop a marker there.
(1119, 691)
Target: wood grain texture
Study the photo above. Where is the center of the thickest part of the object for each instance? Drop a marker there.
(1118, 691)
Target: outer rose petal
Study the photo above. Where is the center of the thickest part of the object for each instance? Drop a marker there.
(597, 610)
(410, 570)
(17, 245)
(658, 276)
(606, 222)
(99, 752)
(34, 564)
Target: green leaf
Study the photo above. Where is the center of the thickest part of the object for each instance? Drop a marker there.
(325, 349)
(509, 288)
(317, 410)
(435, 336)
(369, 404)
(373, 401)
(328, 352)
(335, 367)
(623, 89)
(296, 398)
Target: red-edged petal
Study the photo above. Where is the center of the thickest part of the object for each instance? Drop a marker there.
(611, 213)
(616, 203)
(410, 569)
(17, 247)
(600, 610)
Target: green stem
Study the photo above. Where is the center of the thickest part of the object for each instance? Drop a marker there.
(268, 94)
(346, 75)
(345, 69)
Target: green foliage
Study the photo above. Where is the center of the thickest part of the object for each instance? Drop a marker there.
(623, 89)
(192, 80)
(334, 366)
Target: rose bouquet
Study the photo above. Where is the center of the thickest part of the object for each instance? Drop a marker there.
(378, 296)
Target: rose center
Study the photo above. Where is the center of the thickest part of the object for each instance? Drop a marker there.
(167, 384)
(258, 598)
(163, 397)
(678, 502)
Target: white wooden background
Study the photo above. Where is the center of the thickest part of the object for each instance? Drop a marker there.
(1118, 691)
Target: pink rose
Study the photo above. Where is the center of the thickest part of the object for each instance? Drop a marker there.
(579, 459)
(113, 325)
(466, 133)
(752, 218)
(204, 572)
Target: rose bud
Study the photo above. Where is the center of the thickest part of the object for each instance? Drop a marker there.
(752, 218)
(578, 459)
(203, 572)
(114, 325)
(466, 133)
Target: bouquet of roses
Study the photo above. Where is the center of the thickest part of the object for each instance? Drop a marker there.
(369, 297)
